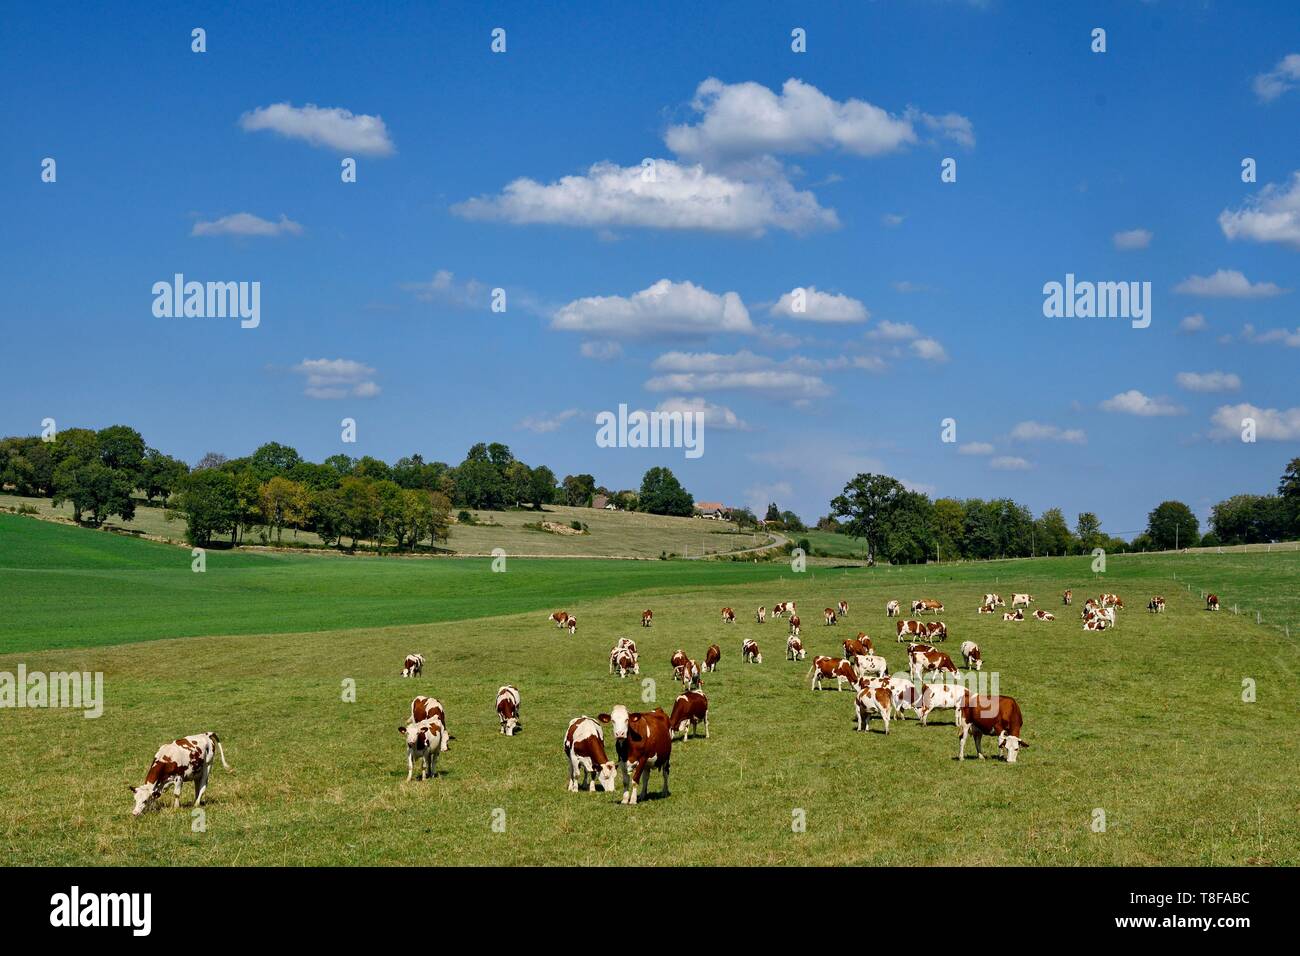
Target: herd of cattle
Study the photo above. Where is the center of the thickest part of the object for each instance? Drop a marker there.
(643, 741)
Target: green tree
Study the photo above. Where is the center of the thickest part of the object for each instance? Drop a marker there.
(662, 494)
(1087, 527)
(906, 528)
(541, 486)
(160, 474)
(480, 484)
(1053, 533)
(206, 500)
(274, 459)
(948, 527)
(578, 490)
(868, 502)
(1171, 524)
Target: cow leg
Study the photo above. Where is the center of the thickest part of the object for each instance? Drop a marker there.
(410, 764)
(961, 741)
(665, 778)
(431, 761)
(978, 738)
(177, 788)
(201, 785)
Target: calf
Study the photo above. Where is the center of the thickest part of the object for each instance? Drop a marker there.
(1068, 597)
(970, 654)
(824, 668)
(641, 741)
(986, 716)
(559, 618)
(728, 616)
(413, 666)
(794, 649)
(1021, 600)
(1156, 605)
(842, 608)
(909, 629)
(829, 614)
(689, 675)
(584, 749)
(1211, 602)
(936, 631)
(921, 663)
(647, 617)
(892, 609)
(182, 760)
(689, 710)
(873, 700)
(794, 624)
(711, 658)
(1041, 615)
(941, 697)
(423, 708)
(861, 644)
(508, 709)
(424, 741)
(762, 614)
(1017, 615)
(749, 652)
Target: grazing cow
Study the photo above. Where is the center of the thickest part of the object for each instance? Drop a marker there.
(873, 700)
(869, 665)
(688, 711)
(424, 741)
(909, 629)
(711, 657)
(892, 609)
(424, 708)
(994, 600)
(413, 666)
(778, 610)
(924, 606)
(936, 631)
(1017, 615)
(647, 617)
(986, 716)
(1041, 615)
(1021, 600)
(689, 675)
(749, 652)
(1068, 597)
(1096, 624)
(182, 760)
(842, 608)
(1156, 605)
(921, 663)
(829, 614)
(794, 649)
(923, 648)
(572, 624)
(762, 614)
(1211, 602)
(1112, 600)
(508, 709)
(560, 618)
(624, 661)
(794, 624)
(906, 695)
(641, 741)
(584, 748)
(941, 697)
(970, 653)
(855, 646)
(728, 616)
(678, 659)
(824, 668)
(987, 609)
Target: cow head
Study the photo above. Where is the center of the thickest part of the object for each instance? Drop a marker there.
(1010, 745)
(607, 775)
(145, 794)
(618, 717)
(511, 725)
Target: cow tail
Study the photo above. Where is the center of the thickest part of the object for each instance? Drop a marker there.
(221, 751)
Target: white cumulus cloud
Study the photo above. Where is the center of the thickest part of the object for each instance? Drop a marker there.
(1271, 424)
(246, 224)
(331, 127)
(1208, 381)
(1133, 402)
(1009, 463)
(1284, 76)
(975, 448)
(337, 378)
(1040, 431)
(1132, 239)
(665, 308)
(1271, 215)
(820, 306)
(1228, 283)
(719, 417)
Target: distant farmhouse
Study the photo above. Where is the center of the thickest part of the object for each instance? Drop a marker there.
(603, 503)
(712, 509)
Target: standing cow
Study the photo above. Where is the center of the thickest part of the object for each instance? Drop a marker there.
(762, 614)
(970, 653)
(584, 750)
(424, 741)
(1211, 602)
(423, 708)
(794, 649)
(749, 652)
(987, 716)
(175, 764)
(892, 609)
(642, 742)
(829, 614)
(508, 709)
(728, 616)
(413, 666)
(794, 624)
(711, 658)
(647, 617)
(689, 710)
(842, 608)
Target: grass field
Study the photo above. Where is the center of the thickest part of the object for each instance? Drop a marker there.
(1145, 723)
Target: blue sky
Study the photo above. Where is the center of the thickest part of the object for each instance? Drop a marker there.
(775, 170)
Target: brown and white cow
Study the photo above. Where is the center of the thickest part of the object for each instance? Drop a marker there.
(628, 645)
(624, 662)
(711, 657)
(1211, 602)
(572, 624)
(689, 710)
(925, 606)
(688, 675)
(1021, 600)
(678, 659)
(762, 614)
(941, 697)
(936, 631)
(892, 609)
(728, 616)
(413, 666)
(424, 708)
(906, 695)
(778, 610)
(970, 654)
(749, 652)
(584, 749)
(1156, 605)
(1041, 615)
(1068, 597)
(1106, 614)
(873, 699)
(647, 617)
(989, 716)
(909, 629)
(559, 618)
(794, 624)
(641, 741)
(1017, 615)
(861, 644)
(994, 600)
(1112, 600)
(921, 663)
(424, 741)
(176, 763)
(829, 615)
(794, 649)
(869, 665)
(1096, 624)
(824, 668)
(842, 608)
(987, 609)
(508, 709)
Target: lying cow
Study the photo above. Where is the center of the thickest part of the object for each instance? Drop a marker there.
(641, 741)
(424, 741)
(1096, 624)
(749, 652)
(1041, 615)
(970, 653)
(711, 658)
(176, 763)
(1017, 615)
(986, 716)
(892, 609)
(423, 708)
(584, 749)
(1156, 605)
(508, 709)
(1211, 602)
(987, 609)
(824, 668)
(413, 666)
(794, 649)
(689, 710)
(728, 616)
(647, 617)
(873, 700)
